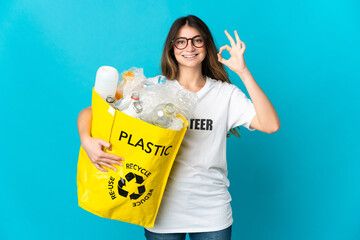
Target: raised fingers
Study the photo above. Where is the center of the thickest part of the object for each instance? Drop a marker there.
(233, 44)
(238, 41)
(243, 47)
(227, 47)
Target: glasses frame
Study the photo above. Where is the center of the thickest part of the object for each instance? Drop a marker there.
(187, 41)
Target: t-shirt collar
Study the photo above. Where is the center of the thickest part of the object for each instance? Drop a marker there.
(201, 92)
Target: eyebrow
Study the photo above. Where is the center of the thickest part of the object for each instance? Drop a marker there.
(189, 38)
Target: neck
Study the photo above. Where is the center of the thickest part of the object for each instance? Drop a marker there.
(191, 78)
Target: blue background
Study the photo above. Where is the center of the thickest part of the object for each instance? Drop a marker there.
(302, 182)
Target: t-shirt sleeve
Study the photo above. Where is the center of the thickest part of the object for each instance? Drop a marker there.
(241, 110)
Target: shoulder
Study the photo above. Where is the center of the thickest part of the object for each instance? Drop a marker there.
(220, 85)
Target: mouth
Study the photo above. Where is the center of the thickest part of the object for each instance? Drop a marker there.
(190, 56)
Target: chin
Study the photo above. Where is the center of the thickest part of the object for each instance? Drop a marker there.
(190, 64)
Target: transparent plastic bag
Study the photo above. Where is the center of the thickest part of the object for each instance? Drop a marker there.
(133, 83)
(130, 81)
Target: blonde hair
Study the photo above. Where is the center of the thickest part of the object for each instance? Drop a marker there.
(211, 67)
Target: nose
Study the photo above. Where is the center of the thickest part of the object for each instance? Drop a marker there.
(190, 46)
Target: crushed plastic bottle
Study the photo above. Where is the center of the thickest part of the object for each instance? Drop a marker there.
(186, 100)
(135, 107)
(177, 124)
(127, 76)
(127, 101)
(163, 115)
(135, 80)
(118, 103)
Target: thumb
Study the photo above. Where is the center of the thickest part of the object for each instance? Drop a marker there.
(105, 144)
(222, 60)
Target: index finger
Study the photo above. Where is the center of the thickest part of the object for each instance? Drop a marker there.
(233, 44)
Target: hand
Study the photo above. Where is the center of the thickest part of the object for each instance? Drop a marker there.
(94, 149)
(236, 62)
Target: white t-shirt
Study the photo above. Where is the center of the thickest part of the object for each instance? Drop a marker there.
(196, 198)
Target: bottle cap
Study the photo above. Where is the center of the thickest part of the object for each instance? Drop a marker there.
(161, 80)
(135, 96)
(110, 99)
(169, 109)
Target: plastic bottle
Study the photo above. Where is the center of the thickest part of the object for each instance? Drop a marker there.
(118, 103)
(126, 77)
(163, 115)
(135, 107)
(119, 91)
(186, 102)
(162, 79)
(106, 82)
(127, 101)
(177, 124)
(148, 84)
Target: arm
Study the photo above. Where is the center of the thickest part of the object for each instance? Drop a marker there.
(266, 118)
(84, 123)
(94, 146)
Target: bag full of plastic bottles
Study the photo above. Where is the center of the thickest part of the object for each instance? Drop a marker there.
(154, 100)
(145, 121)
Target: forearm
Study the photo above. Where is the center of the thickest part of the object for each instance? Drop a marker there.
(84, 123)
(265, 111)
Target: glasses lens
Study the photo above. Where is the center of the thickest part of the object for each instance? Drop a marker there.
(198, 42)
(180, 43)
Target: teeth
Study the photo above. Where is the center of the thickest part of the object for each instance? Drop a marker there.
(189, 56)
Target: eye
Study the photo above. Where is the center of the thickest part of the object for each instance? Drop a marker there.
(198, 40)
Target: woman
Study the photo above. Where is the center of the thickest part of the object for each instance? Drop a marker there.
(196, 199)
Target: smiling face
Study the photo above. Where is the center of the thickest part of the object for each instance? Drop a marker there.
(190, 56)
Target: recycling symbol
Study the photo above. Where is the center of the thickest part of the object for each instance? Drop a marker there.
(129, 178)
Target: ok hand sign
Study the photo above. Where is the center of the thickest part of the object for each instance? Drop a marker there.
(236, 62)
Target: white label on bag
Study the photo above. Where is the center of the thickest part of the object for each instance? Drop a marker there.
(111, 110)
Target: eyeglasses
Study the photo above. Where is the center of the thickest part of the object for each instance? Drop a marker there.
(182, 42)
